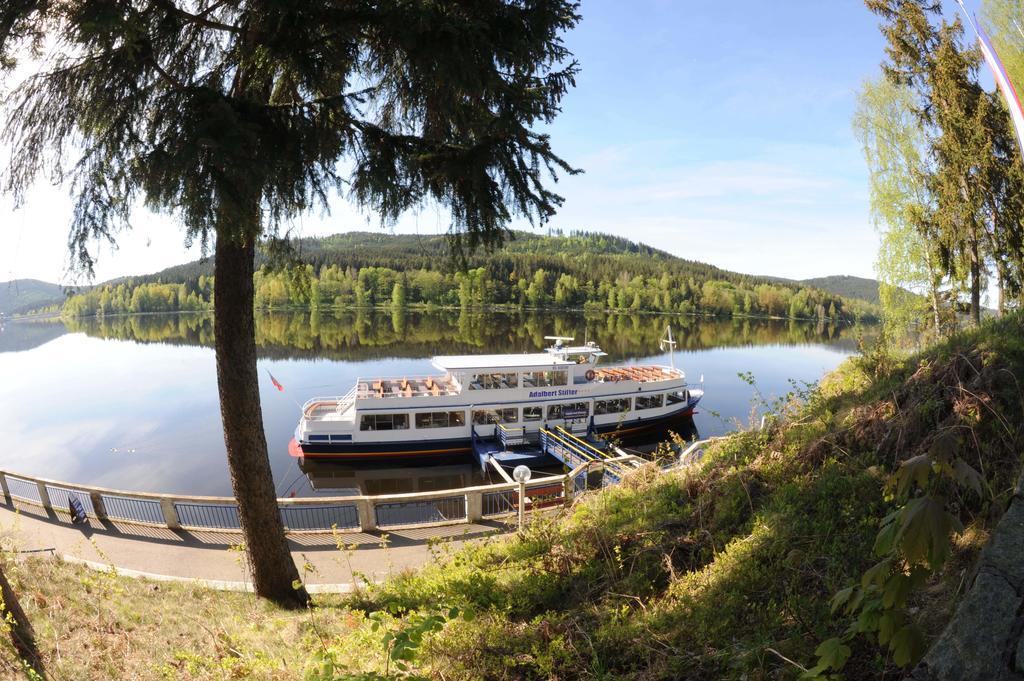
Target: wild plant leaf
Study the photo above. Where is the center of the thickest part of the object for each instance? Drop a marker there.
(967, 476)
(833, 653)
(856, 601)
(887, 625)
(925, 529)
(868, 619)
(875, 575)
(841, 598)
(915, 470)
(907, 645)
(815, 673)
(886, 535)
(897, 587)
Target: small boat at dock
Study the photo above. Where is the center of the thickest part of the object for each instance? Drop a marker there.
(481, 396)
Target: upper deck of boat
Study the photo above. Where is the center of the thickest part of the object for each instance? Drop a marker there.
(435, 386)
(445, 385)
(641, 374)
(438, 386)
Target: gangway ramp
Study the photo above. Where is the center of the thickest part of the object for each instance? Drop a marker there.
(574, 452)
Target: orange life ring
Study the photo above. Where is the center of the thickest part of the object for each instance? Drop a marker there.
(590, 374)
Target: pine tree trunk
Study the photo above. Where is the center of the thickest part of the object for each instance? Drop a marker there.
(23, 638)
(270, 562)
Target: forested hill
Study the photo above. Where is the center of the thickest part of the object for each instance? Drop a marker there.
(21, 295)
(847, 287)
(579, 270)
(554, 253)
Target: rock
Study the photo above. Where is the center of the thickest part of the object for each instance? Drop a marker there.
(983, 641)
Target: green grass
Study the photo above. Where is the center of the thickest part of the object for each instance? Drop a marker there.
(724, 570)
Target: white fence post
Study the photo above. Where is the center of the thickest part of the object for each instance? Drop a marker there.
(474, 507)
(170, 513)
(367, 515)
(44, 495)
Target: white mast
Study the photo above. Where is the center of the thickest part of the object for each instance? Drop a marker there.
(671, 346)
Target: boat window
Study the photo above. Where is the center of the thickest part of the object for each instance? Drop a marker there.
(483, 417)
(650, 401)
(440, 419)
(533, 413)
(384, 422)
(616, 406)
(679, 397)
(494, 381)
(541, 379)
(575, 410)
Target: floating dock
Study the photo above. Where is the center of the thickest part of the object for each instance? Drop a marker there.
(509, 448)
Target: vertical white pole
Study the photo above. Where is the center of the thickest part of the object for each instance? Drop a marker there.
(522, 503)
(671, 348)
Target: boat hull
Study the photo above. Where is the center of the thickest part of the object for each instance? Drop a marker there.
(426, 449)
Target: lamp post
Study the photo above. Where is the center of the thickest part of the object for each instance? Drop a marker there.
(521, 474)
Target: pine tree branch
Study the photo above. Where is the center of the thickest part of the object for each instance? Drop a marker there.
(201, 19)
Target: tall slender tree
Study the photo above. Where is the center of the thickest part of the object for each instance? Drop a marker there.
(1002, 181)
(236, 115)
(975, 174)
(962, 149)
(897, 153)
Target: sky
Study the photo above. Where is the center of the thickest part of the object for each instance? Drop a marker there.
(719, 132)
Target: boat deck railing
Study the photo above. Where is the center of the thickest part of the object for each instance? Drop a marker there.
(511, 436)
(321, 408)
(406, 386)
(643, 374)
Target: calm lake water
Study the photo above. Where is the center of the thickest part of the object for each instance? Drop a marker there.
(131, 402)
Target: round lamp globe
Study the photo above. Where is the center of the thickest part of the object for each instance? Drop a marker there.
(521, 474)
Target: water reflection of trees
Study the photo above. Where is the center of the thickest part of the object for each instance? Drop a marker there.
(22, 335)
(367, 334)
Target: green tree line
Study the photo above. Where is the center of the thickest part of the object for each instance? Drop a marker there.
(947, 182)
(579, 271)
(374, 334)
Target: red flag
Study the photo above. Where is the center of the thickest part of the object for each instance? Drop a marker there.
(274, 381)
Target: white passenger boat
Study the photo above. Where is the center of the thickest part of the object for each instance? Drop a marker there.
(511, 396)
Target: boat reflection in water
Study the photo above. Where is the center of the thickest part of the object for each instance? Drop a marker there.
(372, 478)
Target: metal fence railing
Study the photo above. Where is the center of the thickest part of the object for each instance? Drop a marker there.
(500, 503)
(24, 489)
(363, 513)
(426, 512)
(60, 496)
(320, 517)
(132, 509)
(207, 516)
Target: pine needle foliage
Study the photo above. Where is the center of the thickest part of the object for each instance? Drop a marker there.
(201, 108)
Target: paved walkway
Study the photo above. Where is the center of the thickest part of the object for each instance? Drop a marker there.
(160, 553)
